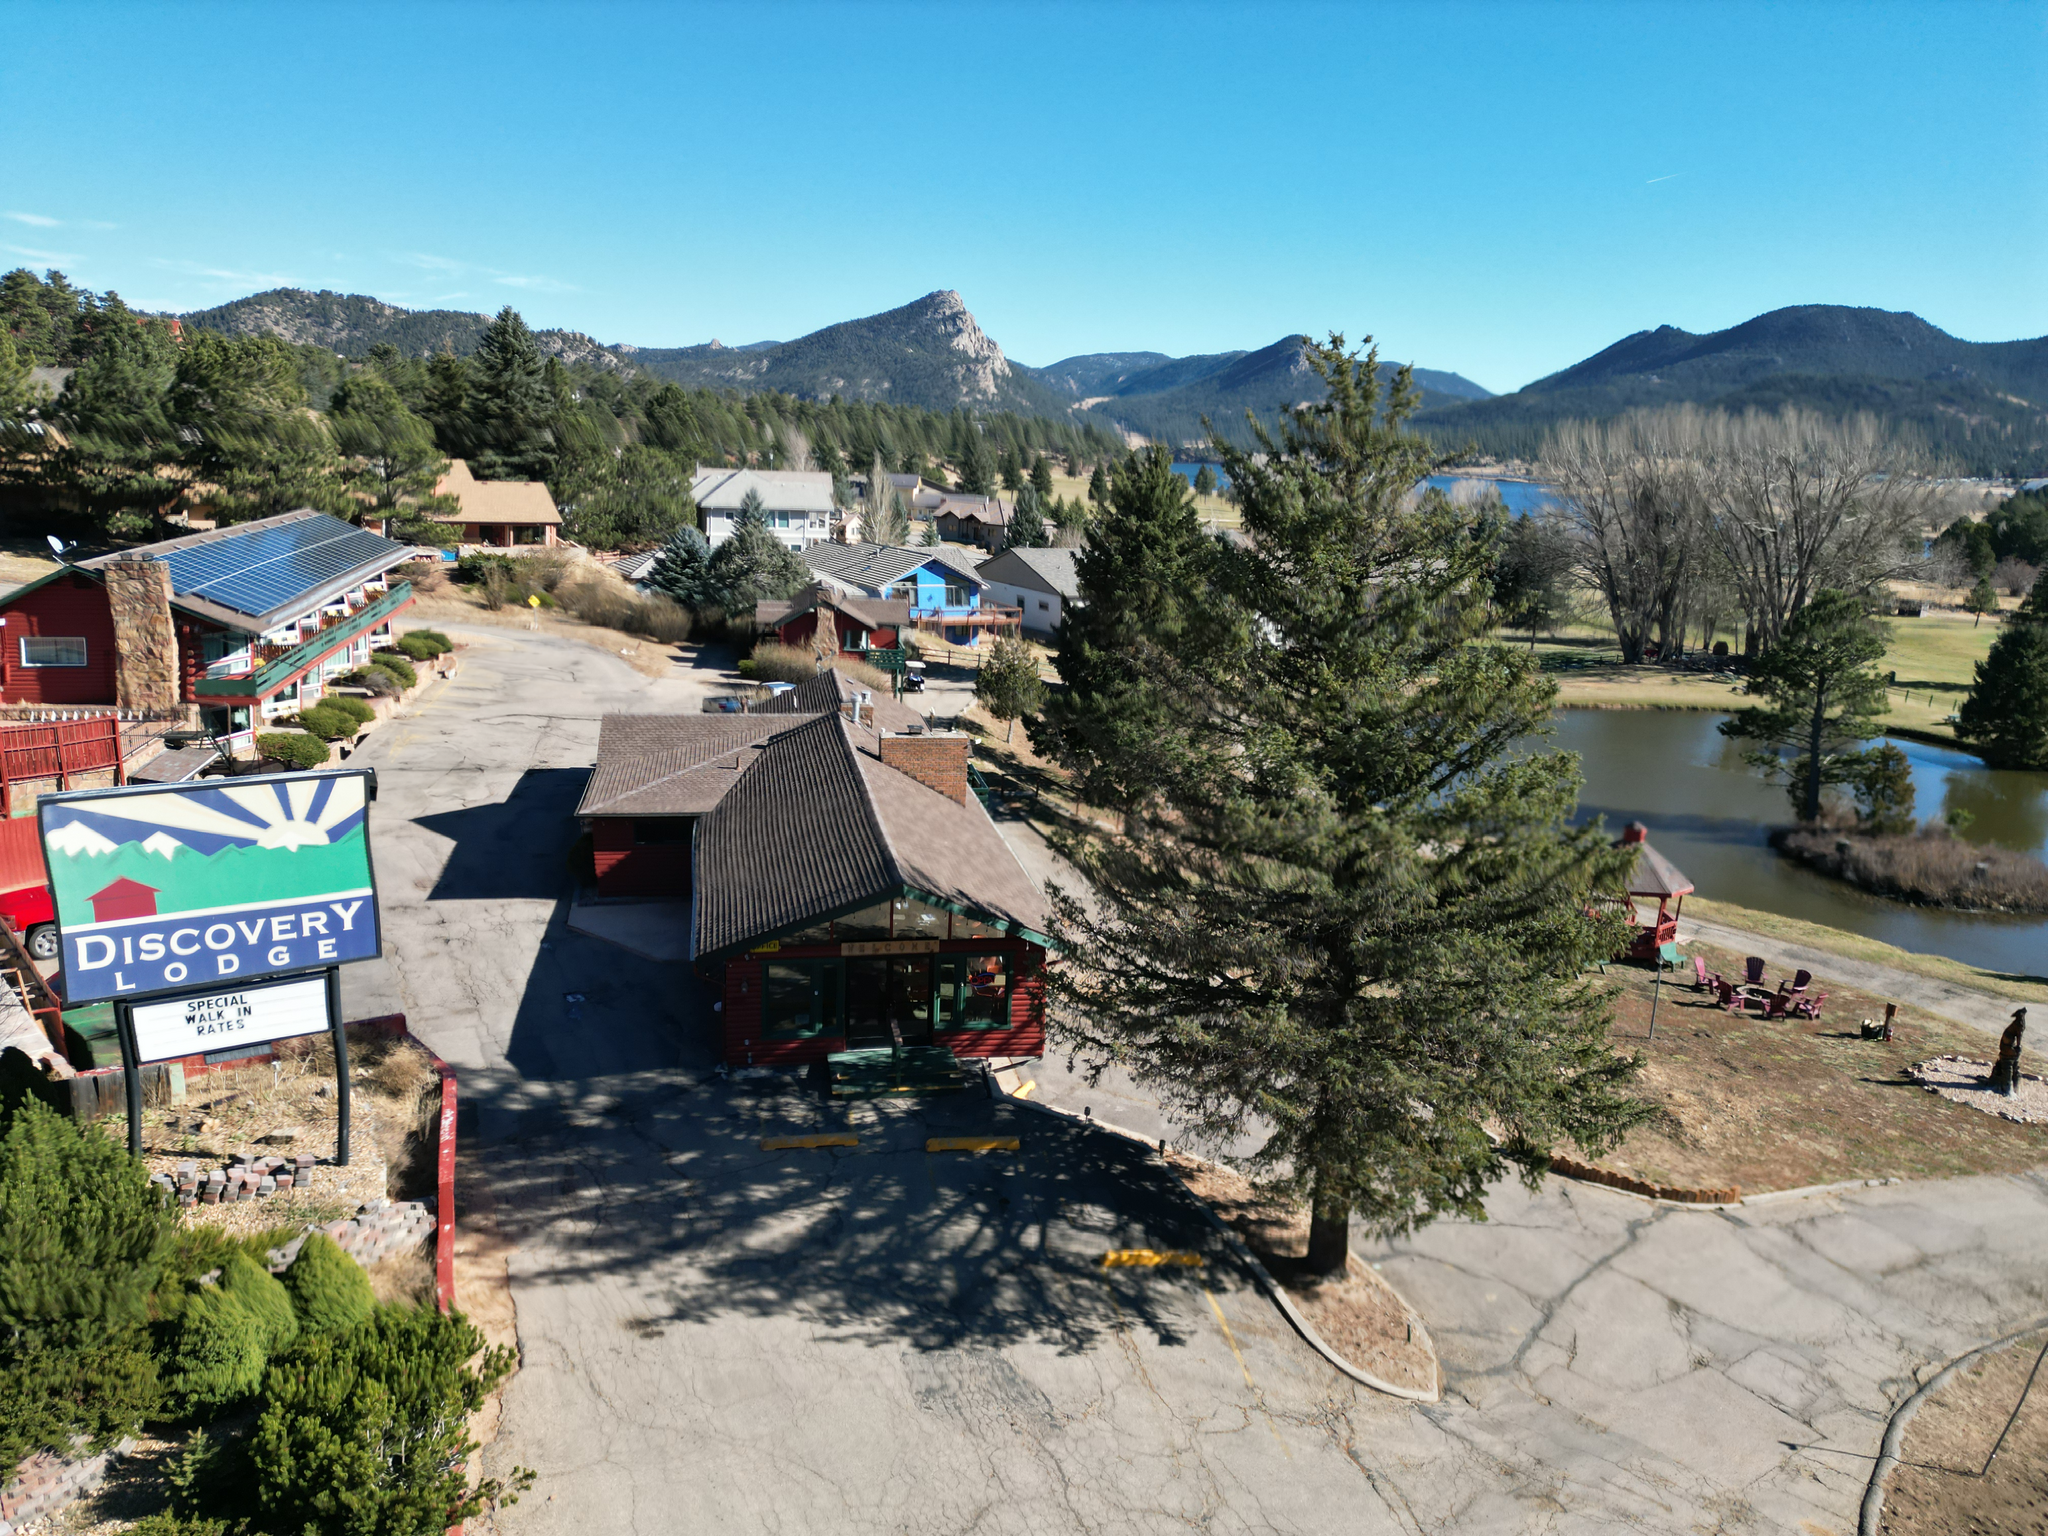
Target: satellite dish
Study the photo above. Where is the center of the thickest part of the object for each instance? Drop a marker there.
(57, 545)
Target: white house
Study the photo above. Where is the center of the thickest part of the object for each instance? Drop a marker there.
(797, 504)
(1042, 582)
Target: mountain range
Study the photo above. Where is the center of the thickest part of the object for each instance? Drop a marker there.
(1983, 404)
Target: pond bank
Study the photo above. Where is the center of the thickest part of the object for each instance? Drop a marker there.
(1930, 867)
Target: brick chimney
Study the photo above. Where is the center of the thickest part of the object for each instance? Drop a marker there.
(937, 762)
(145, 645)
(1634, 832)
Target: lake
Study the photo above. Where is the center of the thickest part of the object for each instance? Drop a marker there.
(1520, 496)
(1710, 814)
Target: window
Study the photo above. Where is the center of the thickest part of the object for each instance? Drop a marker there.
(868, 923)
(799, 1000)
(956, 597)
(46, 651)
(985, 1002)
(975, 928)
(915, 920)
(1042, 603)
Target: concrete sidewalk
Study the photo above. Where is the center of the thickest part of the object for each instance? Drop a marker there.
(653, 930)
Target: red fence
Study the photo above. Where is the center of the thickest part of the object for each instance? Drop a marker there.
(55, 750)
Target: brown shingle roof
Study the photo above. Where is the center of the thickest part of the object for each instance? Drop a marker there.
(672, 765)
(817, 826)
(830, 692)
(495, 501)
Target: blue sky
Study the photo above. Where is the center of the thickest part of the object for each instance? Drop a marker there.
(1498, 188)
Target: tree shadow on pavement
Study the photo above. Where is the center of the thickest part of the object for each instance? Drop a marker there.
(664, 1185)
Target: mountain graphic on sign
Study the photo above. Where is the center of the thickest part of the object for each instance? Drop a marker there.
(77, 837)
(161, 842)
(234, 875)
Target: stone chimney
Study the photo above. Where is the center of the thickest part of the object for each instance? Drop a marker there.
(145, 645)
(937, 762)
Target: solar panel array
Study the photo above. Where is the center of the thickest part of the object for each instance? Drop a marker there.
(264, 569)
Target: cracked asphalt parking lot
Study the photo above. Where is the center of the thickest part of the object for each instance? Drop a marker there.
(716, 1338)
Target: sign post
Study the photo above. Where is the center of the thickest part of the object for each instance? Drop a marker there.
(214, 915)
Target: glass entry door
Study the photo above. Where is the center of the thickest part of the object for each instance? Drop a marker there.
(888, 1002)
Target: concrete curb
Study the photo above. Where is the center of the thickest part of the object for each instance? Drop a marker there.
(1818, 1189)
(1272, 1287)
(1895, 1432)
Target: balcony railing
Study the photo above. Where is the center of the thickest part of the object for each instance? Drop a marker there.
(277, 665)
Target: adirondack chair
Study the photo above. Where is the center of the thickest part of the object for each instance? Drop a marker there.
(1755, 966)
(1779, 1004)
(1800, 981)
(1809, 1007)
(1701, 982)
(1728, 997)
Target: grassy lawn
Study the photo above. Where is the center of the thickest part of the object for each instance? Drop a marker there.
(1935, 658)
(1791, 1103)
(1210, 509)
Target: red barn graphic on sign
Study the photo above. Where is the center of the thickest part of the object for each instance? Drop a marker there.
(124, 898)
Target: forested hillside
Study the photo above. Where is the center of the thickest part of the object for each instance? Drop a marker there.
(1981, 405)
(153, 421)
(352, 323)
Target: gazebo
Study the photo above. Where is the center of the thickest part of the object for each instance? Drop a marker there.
(1653, 877)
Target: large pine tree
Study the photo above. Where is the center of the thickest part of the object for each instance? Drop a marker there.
(1347, 910)
(2006, 713)
(510, 404)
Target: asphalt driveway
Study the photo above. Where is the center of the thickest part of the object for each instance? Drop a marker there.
(880, 1338)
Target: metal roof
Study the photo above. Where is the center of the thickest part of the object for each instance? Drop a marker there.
(781, 490)
(1042, 570)
(252, 576)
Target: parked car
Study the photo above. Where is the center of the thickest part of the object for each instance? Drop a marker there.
(25, 899)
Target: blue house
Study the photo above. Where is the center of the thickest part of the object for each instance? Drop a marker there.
(945, 594)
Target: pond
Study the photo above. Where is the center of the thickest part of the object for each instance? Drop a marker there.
(1710, 813)
(1520, 496)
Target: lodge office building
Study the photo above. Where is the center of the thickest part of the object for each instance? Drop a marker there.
(847, 889)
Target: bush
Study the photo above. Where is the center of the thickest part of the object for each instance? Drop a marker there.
(226, 1333)
(329, 1290)
(293, 750)
(376, 680)
(359, 710)
(746, 666)
(327, 722)
(419, 647)
(83, 1240)
(613, 605)
(398, 664)
(367, 1430)
(437, 637)
(471, 570)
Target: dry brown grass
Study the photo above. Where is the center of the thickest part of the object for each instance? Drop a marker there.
(1931, 866)
(1941, 1487)
(778, 663)
(1787, 1103)
(458, 605)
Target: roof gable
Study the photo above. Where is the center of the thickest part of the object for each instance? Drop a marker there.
(1042, 570)
(878, 566)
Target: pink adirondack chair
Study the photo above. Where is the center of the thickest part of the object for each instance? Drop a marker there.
(1700, 980)
(1809, 1007)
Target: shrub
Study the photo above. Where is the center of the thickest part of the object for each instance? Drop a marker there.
(359, 710)
(217, 1357)
(329, 1290)
(398, 664)
(746, 666)
(293, 750)
(471, 570)
(420, 647)
(612, 605)
(327, 722)
(177, 1525)
(226, 1333)
(437, 637)
(83, 1240)
(376, 680)
(367, 1431)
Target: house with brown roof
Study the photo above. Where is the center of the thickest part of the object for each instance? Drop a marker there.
(517, 516)
(861, 624)
(977, 520)
(848, 890)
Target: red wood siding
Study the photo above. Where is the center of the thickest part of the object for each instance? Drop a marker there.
(69, 606)
(662, 869)
(797, 632)
(744, 1046)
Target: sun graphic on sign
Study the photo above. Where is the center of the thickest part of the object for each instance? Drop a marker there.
(301, 813)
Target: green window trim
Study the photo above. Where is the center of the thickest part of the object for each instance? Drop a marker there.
(804, 999)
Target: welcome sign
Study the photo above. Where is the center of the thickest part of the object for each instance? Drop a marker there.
(166, 888)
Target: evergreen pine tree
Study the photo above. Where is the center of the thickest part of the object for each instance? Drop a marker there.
(1041, 477)
(753, 566)
(930, 538)
(1983, 599)
(1098, 487)
(510, 403)
(1825, 695)
(683, 569)
(1205, 481)
(977, 467)
(1008, 684)
(2006, 713)
(1336, 840)
(1009, 471)
(1026, 529)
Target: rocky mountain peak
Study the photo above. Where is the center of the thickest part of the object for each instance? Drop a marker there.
(984, 364)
